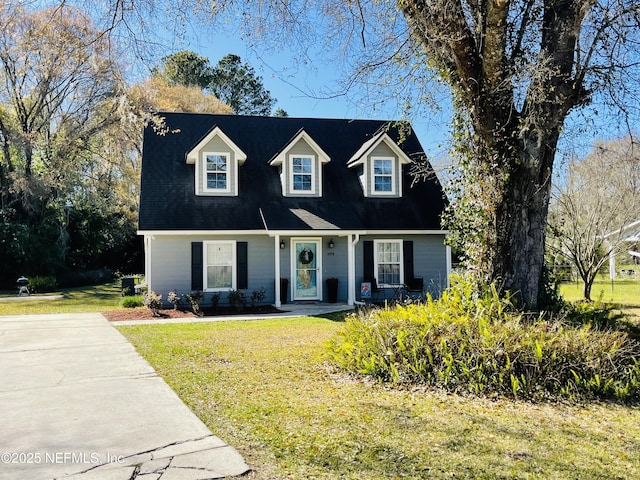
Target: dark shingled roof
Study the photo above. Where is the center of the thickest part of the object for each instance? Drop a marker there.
(168, 200)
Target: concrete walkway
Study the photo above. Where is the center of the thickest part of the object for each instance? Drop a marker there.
(33, 298)
(79, 403)
(290, 310)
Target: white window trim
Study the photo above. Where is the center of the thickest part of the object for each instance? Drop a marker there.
(205, 265)
(376, 244)
(394, 177)
(229, 173)
(315, 175)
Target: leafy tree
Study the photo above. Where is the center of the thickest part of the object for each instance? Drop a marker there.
(588, 212)
(237, 85)
(60, 93)
(54, 75)
(185, 68)
(156, 95)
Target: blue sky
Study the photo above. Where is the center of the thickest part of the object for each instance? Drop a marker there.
(294, 87)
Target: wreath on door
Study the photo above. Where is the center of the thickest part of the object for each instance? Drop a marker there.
(306, 256)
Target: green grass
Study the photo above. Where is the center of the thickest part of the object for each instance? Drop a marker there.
(262, 387)
(75, 300)
(624, 291)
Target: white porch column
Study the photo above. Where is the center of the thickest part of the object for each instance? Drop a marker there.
(351, 267)
(276, 247)
(612, 266)
(351, 280)
(147, 261)
(449, 266)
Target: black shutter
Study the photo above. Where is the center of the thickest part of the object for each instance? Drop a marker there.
(243, 265)
(196, 266)
(367, 253)
(408, 260)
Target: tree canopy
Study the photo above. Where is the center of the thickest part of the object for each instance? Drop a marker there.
(236, 84)
(232, 81)
(185, 68)
(156, 95)
(64, 193)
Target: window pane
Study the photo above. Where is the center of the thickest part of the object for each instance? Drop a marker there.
(301, 165)
(383, 175)
(388, 260)
(220, 254)
(302, 182)
(216, 163)
(217, 172)
(217, 180)
(220, 265)
(389, 274)
(219, 277)
(382, 167)
(302, 169)
(382, 184)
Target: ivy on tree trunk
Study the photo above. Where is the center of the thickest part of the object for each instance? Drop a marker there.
(509, 130)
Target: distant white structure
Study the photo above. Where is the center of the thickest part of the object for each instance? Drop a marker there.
(629, 233)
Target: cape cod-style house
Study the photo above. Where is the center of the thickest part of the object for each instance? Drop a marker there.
(233, 202)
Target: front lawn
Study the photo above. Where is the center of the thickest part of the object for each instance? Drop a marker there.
(96, 298)
(623, 291)
(262, 387)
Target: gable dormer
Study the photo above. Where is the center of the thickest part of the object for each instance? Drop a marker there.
(217, 160)
(300, 164)
(380, 162)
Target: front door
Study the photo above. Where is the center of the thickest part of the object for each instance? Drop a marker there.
(306, 265)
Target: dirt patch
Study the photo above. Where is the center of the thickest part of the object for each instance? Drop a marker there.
(146, 314)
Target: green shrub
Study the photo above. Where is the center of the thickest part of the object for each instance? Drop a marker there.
(215, 299)
(238, 299)
(599, 315)
(86, 277)
(42, 284)
(257, 296)
(175, 299)
(195, 300)
(153, 302)
(469, 342)
(132, 301)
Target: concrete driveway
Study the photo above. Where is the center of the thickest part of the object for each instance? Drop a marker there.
(78, 402)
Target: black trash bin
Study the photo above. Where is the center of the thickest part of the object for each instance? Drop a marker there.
(332, 290)
(284, 286)
(129, 285)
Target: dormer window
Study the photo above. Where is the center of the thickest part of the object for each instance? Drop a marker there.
(302, 172)
(379, 163)
(217, 172)
(217, 160)
(300, 164)
(384, 179)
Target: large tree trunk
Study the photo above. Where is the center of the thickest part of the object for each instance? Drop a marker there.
(521, 219)
(507, 140)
